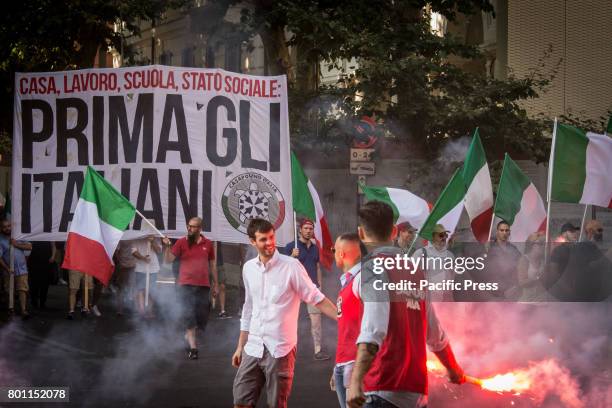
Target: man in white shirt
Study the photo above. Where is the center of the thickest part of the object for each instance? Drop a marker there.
(436, 263)
(275, 285)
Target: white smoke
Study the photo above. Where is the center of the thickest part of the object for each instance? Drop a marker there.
(564, 347)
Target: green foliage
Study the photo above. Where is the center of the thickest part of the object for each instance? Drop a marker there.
(596, 126)
(49, 35)
(406, 76)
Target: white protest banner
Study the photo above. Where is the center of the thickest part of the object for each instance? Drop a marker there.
(177, 142)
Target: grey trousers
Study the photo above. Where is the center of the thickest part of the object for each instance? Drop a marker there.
(275, 374)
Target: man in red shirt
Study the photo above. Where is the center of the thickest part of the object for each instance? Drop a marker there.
(347, 254)
(396, 326)
(197, 261)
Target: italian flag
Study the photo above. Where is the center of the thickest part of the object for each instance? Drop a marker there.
(580, 163)
(448, 208)
(406, 206)
(101, 216)
(479, 191)
(306, 203)
(519, 203)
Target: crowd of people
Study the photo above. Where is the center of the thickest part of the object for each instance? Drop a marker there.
(382, 338)
(381, 344)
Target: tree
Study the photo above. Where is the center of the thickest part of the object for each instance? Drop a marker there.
(48, 35)
(407, 76)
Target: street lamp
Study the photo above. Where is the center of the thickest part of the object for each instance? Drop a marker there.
(152, 41)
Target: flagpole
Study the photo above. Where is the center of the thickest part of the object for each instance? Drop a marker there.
(85, 292)
(150, 224)
(11, 275)
(294, 230)
(413, 242)
(147, 280)
(586, 206)
(491, 227)
(549, 190)
(493, 215)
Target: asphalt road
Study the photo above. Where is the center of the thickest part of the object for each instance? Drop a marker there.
(112, 361)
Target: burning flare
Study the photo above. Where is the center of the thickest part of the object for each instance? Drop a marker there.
(517, 381)
(538, 380)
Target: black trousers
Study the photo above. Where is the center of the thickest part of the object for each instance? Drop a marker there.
(196, 305)
(39, 277)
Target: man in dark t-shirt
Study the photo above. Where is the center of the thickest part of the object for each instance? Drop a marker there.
(307, 252)
(579, 272)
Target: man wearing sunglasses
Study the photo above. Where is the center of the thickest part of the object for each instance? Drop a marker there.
(435, 256)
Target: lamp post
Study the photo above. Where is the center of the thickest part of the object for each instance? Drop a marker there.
(153, 41)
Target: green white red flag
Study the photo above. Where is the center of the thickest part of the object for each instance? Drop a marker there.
(580, 164)
(479, 191)
(448, 208)
(101, 216)
(519, 203)
(407, 207)
(306, 203)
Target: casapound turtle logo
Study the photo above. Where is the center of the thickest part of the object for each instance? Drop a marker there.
(251, 195)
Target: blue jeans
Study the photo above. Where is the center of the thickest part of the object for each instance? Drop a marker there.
(340, 386)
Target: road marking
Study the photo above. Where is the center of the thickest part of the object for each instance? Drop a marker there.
(19, 334)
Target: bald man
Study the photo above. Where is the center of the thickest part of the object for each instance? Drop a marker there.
(590, 271)
(594, 231)
(347, 255)
(197, 267)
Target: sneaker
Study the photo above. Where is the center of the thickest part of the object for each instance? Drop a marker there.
(70, 316)
(62, 282)
(223, 315)
(96, 311)
(321, 356)
(193, 354)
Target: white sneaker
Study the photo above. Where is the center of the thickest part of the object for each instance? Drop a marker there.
(96, 311)
(62, 282)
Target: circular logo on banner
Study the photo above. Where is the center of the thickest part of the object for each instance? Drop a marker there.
(251, 195)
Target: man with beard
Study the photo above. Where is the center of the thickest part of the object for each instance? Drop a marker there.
(558, 277)
(197, 257)
(307, 252)
(434, 257)
(590, 271)
(274, 286)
